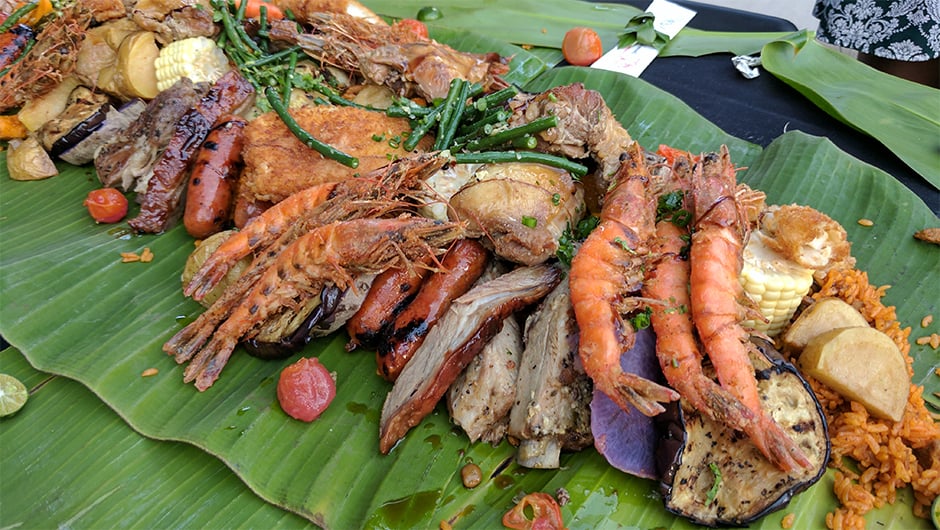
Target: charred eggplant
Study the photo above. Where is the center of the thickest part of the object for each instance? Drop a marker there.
(717, 477)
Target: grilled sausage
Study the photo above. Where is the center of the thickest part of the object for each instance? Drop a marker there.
(211, 183)
(160, 204)
(389, 293)
(462, 265)
(246, 208)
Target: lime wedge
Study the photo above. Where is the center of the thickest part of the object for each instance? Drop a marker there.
(13, 395)
(935, 513)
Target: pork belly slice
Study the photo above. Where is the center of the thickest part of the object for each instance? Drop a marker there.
(127, 162)
(480, 399)
(553, 394)
(472, 320)
(161, 203)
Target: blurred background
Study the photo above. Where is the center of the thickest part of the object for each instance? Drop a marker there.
(799, 12)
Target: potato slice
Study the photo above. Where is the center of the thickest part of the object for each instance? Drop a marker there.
(136, 58)
(27, 160)
(37, 112)
(862, 364)
(825, 315)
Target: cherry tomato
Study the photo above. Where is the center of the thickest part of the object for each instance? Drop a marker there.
(546, 514)
(253, 9)
(106, 205)
(414, 26)
(305, 389)
(582, 46)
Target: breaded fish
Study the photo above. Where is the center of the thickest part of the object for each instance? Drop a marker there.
(277, 164)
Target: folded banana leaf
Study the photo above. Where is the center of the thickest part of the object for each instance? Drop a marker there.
(74, 309)
(902, 115)
(70, 461)
(544, 24)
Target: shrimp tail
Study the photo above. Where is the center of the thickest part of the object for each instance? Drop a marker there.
(640, 392)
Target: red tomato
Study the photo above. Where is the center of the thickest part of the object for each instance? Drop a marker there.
(305, 389)
(415, 26)
(545, 512)
(253, 9)
(107, 205)
(582, 46)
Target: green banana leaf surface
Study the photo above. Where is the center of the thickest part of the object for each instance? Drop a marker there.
(902, 115)
(77, 464)
(73, 309)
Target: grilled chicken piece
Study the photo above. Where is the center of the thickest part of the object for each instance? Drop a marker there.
(480, 398)
(160, 204)
(521, 209)
(473, 319)
(586, 126)
(127, 162)
(277, 164)
(552, 410)
(174, 20)
(310, 10)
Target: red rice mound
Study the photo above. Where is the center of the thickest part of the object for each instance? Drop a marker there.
(888, 455)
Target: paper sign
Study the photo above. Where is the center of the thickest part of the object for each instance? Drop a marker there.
(668, 18)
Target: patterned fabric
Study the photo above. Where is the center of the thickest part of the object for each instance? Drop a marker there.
(906, 30)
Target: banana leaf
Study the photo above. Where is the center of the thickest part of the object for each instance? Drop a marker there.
(74, 309)
(544, 24)
(73, 463)
(523, 22)
(902, 115)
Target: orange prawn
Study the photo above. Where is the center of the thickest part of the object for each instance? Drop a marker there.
(332, 253)
(678, 352)
(297, 212)
(608, 266)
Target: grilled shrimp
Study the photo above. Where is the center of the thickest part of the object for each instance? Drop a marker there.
(717, 246)
(298, 210)
(666, 287)
(334, 253)
(608, 266)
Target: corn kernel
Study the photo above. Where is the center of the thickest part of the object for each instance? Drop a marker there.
(197, 58)
(776, 285)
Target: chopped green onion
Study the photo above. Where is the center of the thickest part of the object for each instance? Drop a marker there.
(713, 491)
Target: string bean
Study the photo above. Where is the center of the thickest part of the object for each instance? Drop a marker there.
(324, 149)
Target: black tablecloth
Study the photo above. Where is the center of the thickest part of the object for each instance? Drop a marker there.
(759, 110)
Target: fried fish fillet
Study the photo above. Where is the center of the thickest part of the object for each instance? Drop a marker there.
(277, 164)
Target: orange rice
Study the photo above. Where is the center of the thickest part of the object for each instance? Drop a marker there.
(883, 452)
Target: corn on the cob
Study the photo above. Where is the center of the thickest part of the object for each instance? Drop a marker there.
(197, 58)
(776, 285)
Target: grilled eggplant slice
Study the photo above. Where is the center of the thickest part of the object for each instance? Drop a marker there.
(290, 331)
(716, 477)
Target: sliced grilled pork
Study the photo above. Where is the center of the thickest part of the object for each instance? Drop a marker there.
(553, 394)
(586, 126)
(127, 162)
(160, 204)
(480, 399)
(472, 320)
